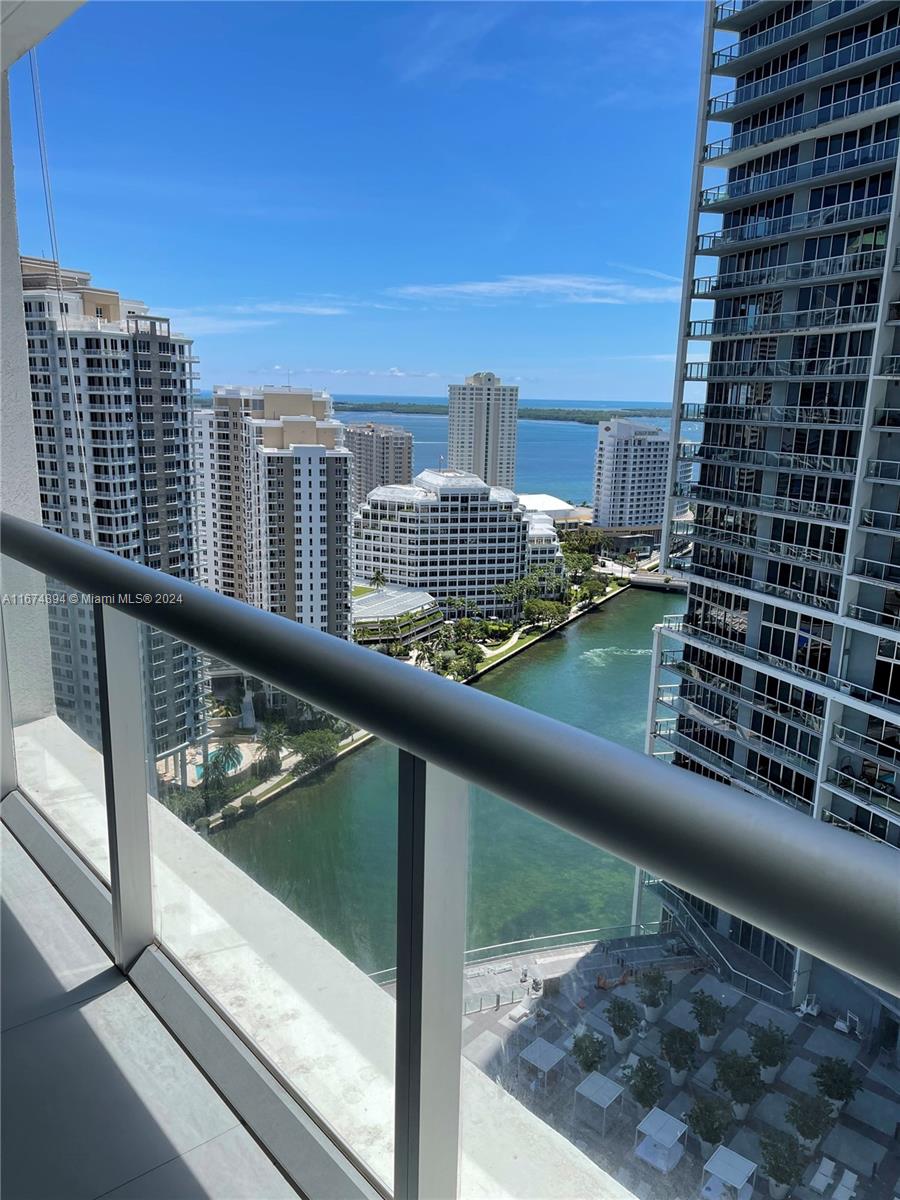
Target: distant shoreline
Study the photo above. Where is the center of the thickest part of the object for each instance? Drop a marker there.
(582, 416)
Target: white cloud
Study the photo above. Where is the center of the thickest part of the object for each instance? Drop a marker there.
(290, 308)
(558, 289)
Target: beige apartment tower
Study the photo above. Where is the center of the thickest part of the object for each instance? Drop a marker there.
(274, 503)
(382, 455)
(482, 428)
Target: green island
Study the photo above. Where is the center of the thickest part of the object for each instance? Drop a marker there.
(583, 416)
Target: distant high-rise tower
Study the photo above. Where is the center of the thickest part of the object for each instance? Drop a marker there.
(111, 388)
(482, 429)
(782, 678)
(382, 454)
(630, 483)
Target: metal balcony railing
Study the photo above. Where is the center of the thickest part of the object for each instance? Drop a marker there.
(691, 706)
(802, 122)
(775, 227)
(882, 796)
(784, 322)
(885, 522)
(851, 739)
(731, 8)
(672, 660)
(841, 687)
(811, 19)
(869, 262)
(784, 177)
(778, 368)
(775, 414)
(825, 463)
(873, 616)
(733, 538)
(832, 818)
(880, 572)
(720, 762)
(764, 863)
(890, 366)
(859, 52)
(884, 470)
(814, 510)
(748, 584)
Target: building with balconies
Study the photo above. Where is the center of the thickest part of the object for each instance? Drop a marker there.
(783, 677)
(111, 388)
(382, 455)
(482, 430)
(275, 495)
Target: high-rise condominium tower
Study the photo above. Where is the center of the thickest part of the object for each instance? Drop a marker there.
(274, 503)
(482, 429)
(783, 676)
(111, 397)
(630, 480)
(382, 454)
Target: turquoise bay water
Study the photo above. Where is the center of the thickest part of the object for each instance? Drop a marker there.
(328, 848)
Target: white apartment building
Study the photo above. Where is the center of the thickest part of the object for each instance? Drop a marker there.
(482, 429)
(382, 454)
(451, 534)
(111, 388)
(630, 477)
(274, 488)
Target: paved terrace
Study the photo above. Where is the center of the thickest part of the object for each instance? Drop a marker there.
(863, 1140)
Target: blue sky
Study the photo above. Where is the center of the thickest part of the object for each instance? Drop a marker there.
(380, 197)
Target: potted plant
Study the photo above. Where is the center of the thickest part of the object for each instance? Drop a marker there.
(836, 1080)
(645, 1082)
(652, 988)
(708, 1120)
(709, 1013)
(588, 1050)
(782, 1162)
(679, 1049)
(738, 1075)
(624, 1018)
(771, 1046)
(810, 1116)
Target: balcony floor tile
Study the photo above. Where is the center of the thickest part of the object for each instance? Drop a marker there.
(96, 1093)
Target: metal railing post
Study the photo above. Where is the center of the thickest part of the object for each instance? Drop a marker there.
(125, 776)
(432, 855)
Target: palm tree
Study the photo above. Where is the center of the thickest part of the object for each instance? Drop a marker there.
(271, 741)
(379, 579)
(215, 780)
(228, 756)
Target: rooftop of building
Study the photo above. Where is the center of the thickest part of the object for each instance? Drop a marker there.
(390, 601)
(627, 427)
(540, 502)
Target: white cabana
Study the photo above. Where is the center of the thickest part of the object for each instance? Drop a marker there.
(659, 1140)
(728, 1176)
(543, 1057)
(594, 1097)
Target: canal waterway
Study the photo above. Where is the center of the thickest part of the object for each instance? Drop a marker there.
(327, 849)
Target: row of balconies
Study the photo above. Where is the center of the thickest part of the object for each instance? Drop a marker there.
(735, 56)
(672, 696)
(819, 463)
(826, 167)
(764, 228)
(842, 688)
(800, 123)
(736, 539)
(784, 322)
(787, 368)
(814, 510)
(864, 262)
(749, 584)
(724, 764)
(814, 68)
(778, 414)
(672, 660)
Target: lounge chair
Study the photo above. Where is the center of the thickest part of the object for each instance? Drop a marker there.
(631, 1061)
(823, 1176)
